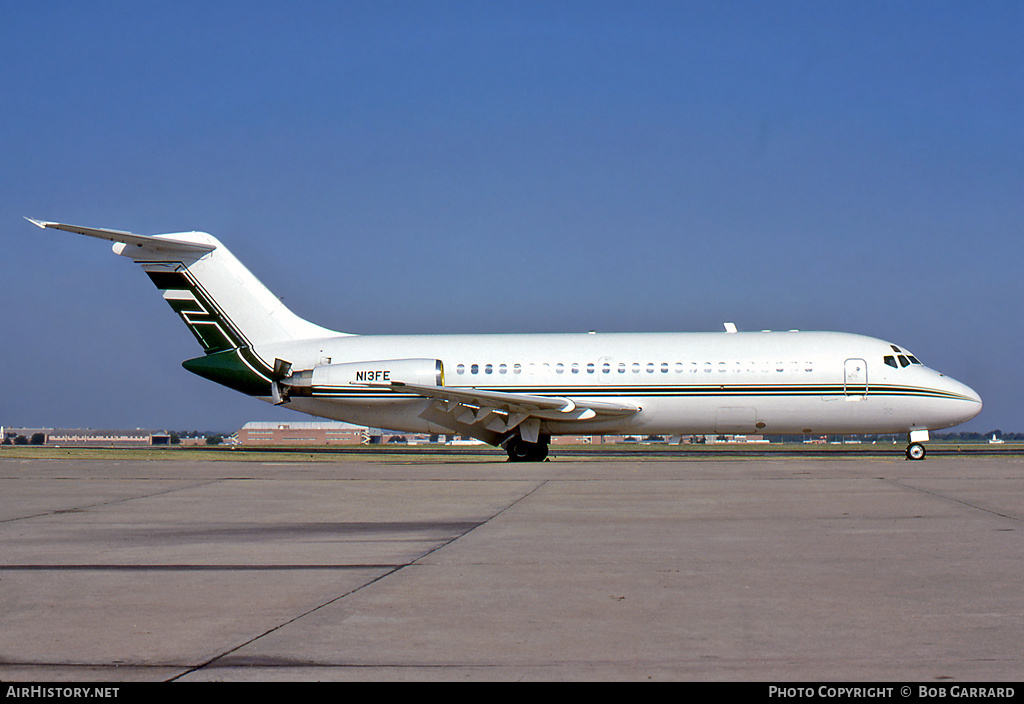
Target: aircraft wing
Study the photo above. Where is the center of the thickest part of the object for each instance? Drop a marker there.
(158, 244)
(492, 415)
(554, 407)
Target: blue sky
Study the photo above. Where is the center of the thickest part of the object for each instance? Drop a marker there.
(509, 166)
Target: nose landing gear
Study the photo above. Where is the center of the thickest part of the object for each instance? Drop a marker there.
(915, 450)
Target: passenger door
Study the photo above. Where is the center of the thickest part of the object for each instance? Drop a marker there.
(855, 378)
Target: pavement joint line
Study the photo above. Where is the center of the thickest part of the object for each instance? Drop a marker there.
(394, 570)
(110, 502)
(936, 494)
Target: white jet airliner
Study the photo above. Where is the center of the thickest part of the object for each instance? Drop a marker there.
(519, 390)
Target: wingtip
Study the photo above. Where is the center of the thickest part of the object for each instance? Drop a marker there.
(37, 223)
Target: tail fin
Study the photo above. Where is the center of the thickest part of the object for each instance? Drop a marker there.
(230, 312)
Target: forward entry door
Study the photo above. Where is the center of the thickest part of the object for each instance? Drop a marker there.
(855, 378)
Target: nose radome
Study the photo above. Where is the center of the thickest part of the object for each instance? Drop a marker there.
(969, 401)
(975, 396)
(965, 391)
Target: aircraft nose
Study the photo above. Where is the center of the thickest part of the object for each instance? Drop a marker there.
(966, 402)
(974, 397)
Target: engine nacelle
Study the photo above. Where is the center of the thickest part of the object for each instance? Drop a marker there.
(323, 380)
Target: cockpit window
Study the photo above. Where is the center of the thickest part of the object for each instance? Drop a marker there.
(905, 360)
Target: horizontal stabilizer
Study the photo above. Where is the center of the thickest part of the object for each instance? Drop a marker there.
(154, 243)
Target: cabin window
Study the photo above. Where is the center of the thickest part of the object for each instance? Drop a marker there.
(650, 367)
(636, 367)
(517, 368)
(559, 367)
(474, 369)
(575, 368)
(664, 367)
(606, 368)
(488, 369)
(502, 369)
(461, 369)
(590, 368)
(622, 367)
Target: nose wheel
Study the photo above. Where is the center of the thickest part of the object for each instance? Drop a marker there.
(915, 451)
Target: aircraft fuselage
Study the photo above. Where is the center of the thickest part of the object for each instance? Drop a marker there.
(763, 382)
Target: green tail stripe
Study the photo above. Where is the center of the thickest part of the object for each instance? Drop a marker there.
(181, 306)
(169, 280)
(230, 369)
(210, 326)
(211, 337)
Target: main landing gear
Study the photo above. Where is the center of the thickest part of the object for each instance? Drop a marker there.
(520, 450)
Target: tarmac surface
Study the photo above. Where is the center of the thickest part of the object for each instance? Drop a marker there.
(779, 568)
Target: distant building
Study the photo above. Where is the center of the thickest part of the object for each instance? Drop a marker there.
(576, 440)
(734, 439)
(90, 437)
(337, 433)
(304, 433)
